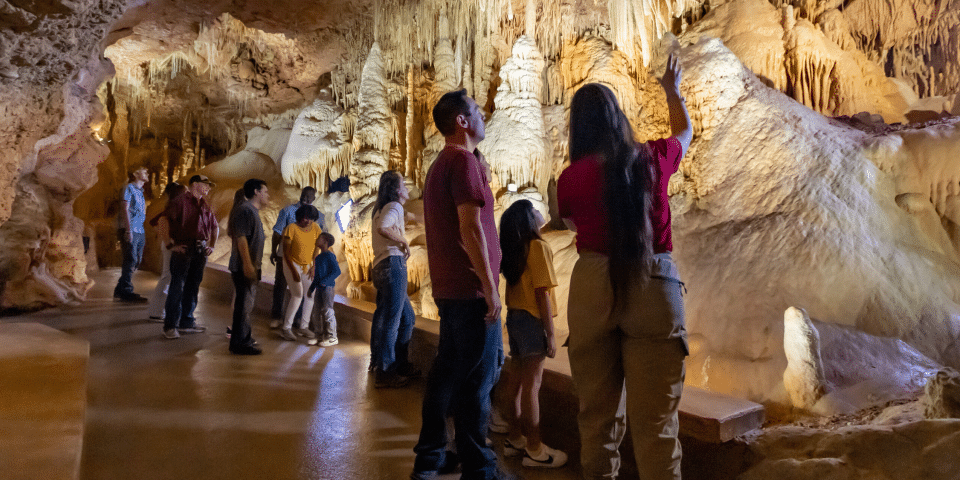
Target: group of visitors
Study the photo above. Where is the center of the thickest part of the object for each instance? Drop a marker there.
(627, 339)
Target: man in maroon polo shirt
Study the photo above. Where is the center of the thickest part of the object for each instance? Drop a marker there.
(464, 257)
(189, 230)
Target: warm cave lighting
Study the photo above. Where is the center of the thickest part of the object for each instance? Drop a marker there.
(98, 135)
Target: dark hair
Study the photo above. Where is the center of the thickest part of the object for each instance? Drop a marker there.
(518, 227)
(446, 110)
(389, 189)
(305, 191)
(599, 126)
(328, 237)
(252, 186)
(173, 190)
(238, 198)
(307, 211)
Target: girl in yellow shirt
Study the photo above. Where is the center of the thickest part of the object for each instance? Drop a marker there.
(528, 267)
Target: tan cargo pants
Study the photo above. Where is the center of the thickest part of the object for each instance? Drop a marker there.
(629, 365)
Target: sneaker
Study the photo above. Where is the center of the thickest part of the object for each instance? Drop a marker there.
(313, 341)
(193, 329)
(275, 323)
(511, 449)
(305, 333)
(329, 342)
(409, 370)
(549, 458)
(390, 380)
(171, 333)
(287, 334)
(246, 350)
(130, 298)
(497, 423)
(155, 319)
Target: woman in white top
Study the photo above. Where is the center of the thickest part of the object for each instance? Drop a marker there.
(393, 319)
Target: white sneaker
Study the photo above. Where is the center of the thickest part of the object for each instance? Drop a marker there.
(275, 323)
(497, 423)
(549, 458)
(511, 449)
(329, 342)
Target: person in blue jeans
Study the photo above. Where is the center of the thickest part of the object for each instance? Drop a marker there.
(132, 214)
(326, 269)
(393, 319)
(464, 259)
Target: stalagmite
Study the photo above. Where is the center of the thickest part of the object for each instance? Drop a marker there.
(515, 144)
(803, 378)
(941, 397)
(319, 150)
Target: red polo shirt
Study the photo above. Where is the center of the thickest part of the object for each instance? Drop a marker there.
(457, 177)
(190, 219)
(580, 197)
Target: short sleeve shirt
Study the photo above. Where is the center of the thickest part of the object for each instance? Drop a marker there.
(457, 177)
(580, 197)
(390, 216)
(537, 274)
(286, 216)
(191, 219)
(245, 223)
(302, 243)
(136, 205)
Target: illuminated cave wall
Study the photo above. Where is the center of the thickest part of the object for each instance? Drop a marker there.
(778, 203)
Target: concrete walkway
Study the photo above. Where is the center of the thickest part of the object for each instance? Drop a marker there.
(186, 408)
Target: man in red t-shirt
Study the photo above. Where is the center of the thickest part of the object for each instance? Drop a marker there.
(189, 231)
(464, 257)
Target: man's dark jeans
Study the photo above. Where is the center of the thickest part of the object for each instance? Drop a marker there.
(132, 254)
(246, 293)
(186, 273)
(393, 319)
(464, 371)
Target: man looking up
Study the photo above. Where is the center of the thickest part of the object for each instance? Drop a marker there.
(132, 214)
(464, 259)
(246, 230)
(286, 216)
(190, 234)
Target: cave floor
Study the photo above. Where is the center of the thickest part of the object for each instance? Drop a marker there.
(186, 408)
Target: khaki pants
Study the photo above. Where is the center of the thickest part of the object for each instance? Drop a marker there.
(627, 365)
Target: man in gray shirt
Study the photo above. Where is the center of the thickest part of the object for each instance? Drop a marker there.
(246, 232)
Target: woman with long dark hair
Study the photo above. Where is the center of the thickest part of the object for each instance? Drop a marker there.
(393, 319)
(627, 335)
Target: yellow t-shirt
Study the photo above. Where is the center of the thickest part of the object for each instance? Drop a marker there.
(538, 274)
(302, 243)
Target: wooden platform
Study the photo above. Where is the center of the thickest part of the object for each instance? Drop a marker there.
(43, 400)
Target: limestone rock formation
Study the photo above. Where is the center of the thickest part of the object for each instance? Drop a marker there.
(758, 187)
(941, 397)
(804, 378)
(515, 144)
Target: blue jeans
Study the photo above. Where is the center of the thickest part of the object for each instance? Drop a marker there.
(393, 319)
(464, 371)
(132, 253)
(186, 273)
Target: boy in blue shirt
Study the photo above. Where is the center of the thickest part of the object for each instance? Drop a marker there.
(326, 269)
